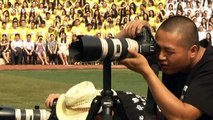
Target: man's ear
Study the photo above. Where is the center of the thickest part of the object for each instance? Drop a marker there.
(194, 51)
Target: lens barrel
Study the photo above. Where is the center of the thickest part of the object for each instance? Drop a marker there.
(91, 48)
(8, 113)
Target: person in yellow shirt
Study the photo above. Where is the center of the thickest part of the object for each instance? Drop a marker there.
(66, 20)
(132, 14)
(100, 31)
(141, 9)
(14, 14)
(4, 30)
(89, 30)
(111, 29)
(14, 30)
(5, 14)
(43, 30)
(68, 31)
(9, 23)
(50, 7)
(77, 7)
(33, 31)
(31, 18)
(152, 17)
(51, 30)
(57, 21)
(48, 19)
(123, 9)
(17, 6)
(23, 30)
(63, 13)
(103, 8)
(58, 10)
(67, 6)
(76, 29)
(41, 10)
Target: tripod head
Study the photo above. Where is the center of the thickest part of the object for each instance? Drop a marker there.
(107, 100)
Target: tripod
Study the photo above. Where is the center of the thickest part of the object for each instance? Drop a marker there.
(106, 100)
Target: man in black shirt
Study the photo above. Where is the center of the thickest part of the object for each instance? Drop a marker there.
(186, 90)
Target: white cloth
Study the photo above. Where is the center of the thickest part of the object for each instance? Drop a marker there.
(18, 43)
(28, 45)
(202, 35)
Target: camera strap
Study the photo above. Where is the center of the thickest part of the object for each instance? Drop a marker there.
(187, 83)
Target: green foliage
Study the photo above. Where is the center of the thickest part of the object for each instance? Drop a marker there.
(24, 89)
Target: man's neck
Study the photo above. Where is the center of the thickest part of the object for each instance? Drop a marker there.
(200, 54)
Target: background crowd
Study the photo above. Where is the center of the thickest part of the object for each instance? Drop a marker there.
(41, 31)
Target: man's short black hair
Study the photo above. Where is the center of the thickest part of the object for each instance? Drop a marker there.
(28, 35)
(3, 22)
(42, 22)
(183, 26)
(17, 34)
(4, 35)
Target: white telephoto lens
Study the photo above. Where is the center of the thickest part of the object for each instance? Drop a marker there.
(30, 114)
(18, 114)
(44, 114)
(117, 49)
(132, 44)
(105, 48)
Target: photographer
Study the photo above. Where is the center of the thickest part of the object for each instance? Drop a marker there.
(185, 92)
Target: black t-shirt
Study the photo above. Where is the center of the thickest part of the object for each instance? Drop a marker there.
(199, 82)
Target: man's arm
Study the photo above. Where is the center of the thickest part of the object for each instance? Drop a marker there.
(25, 49)
(12, 47)
(48, 48)
(172, 107)
(56, 47)
(33, 48)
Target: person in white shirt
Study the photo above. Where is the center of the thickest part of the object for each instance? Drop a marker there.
(28, 51)
(17, 50)
(201, 33)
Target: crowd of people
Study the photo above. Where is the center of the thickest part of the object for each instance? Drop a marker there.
(41, 31)
(200, 11)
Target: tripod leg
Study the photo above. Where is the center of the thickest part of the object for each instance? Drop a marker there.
(107, 104)
(119, 108)
(95, 107)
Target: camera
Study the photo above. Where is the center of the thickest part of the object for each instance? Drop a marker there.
(91, 48)
(9, 113)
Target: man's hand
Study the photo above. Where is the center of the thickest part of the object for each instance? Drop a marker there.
(50, 99)
(137, 62)
(132, 29)
(30, 53)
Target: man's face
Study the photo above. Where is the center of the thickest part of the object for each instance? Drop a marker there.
(52, 37)
(32, 25)
(23, 23)
(28, 38)
(15, 25)
(48, 16)
(17, 37)
(4, 37)
(43, 25)
(4, 26)
(174, 56)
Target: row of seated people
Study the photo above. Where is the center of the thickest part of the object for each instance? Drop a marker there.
(29, 52)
